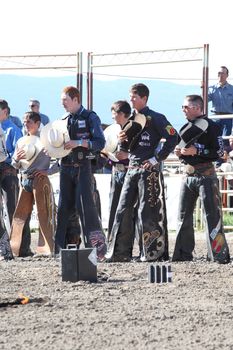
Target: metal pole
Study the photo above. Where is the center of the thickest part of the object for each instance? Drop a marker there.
(89, 81)
(80, 74)
(205, 78)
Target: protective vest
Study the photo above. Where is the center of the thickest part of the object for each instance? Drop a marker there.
(79, 129)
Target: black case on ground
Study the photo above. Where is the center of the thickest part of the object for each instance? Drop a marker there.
(78, 264)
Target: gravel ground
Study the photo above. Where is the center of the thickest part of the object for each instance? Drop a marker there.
(122, 310)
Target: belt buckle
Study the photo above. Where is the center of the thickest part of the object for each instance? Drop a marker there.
(76, 165)
(120, 167)
(189, 169)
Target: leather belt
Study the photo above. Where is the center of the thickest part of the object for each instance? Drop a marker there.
(201, 169)
(120, 167)
(75, 165)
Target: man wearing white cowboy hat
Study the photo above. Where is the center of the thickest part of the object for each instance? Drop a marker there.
(86, 137)
(200, 145)
(143, 183)
(34, 166)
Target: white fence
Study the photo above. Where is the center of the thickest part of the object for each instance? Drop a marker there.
(172, 182)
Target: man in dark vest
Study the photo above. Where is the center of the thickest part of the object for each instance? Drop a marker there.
(200, 145)
(143, 183)
(86, 137)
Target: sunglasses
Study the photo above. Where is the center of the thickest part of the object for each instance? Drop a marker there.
(33, 106)
(187, 107)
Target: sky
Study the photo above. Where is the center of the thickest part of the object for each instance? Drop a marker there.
(54, 27)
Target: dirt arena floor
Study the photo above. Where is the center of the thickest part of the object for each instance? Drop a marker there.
(122, 310)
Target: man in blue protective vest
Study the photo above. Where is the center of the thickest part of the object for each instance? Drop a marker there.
(86, 137)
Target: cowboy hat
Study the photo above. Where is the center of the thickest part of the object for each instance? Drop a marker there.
(111, 141)
(53, 136)
(227, 168)
(133, 129)
(140, 119)
(32, 146)
(191, 131)
(3, 151)
(112, 157)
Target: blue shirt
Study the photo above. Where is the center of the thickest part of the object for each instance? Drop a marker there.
(222, 98)
(44, 119)
(12, 134)
(16, 121)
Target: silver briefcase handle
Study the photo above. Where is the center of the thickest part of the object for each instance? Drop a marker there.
(72, 246)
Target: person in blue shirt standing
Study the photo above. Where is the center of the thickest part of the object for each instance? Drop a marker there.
(221, 96)
(144, 183)
(9, 178)
(14, 119)
(34, 106)
(86, 137)
(5, 249)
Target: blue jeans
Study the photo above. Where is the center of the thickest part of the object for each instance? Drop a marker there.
(5, 248)
(10, 192)
(10, 188)
(76, 192)
(126, 228)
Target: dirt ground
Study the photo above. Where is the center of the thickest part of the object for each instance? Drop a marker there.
(122, 310)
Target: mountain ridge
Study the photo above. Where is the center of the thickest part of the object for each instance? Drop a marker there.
(165, 97)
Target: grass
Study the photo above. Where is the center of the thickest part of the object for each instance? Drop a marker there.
(227, 219)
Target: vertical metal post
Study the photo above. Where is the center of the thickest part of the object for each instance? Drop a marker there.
(80, 75)
(89, 81)
(205, 78)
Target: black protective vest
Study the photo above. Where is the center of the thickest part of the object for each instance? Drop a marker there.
(79, 129)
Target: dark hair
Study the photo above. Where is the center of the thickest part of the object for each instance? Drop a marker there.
(196, 100)
(224, 67)
(140, 89)
(3, 104)
(121, 106)
(33, 116)
(72, 92)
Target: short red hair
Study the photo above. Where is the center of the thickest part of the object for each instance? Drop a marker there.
(72, 92)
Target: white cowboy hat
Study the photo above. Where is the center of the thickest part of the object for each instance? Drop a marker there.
(110, 134)
(227, 168)
(32, 147)
(112, 157)
(3, 151)
(53, 136)
(140, 119)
